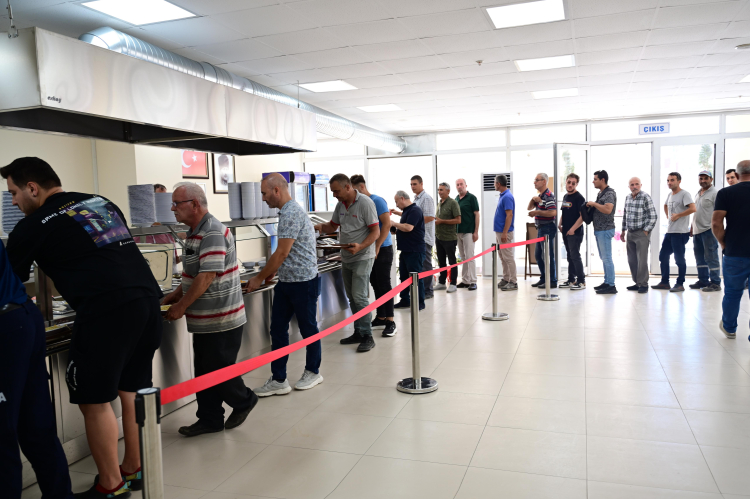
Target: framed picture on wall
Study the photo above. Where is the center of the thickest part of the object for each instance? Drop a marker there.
(223, 172)
(194, 164)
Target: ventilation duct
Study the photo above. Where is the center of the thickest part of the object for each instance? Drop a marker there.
(326, 122)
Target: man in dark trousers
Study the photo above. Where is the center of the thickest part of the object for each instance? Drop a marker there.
(26, 414)
(81, 241)
(410, 234)
(571, 228)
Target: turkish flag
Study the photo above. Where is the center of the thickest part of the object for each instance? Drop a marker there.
(194, 164)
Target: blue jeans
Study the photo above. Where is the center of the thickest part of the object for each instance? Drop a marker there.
(706, 249)
(548, 229)
(674, 243)
(736, 273)
(410, 262)
(604, 245)
(300, 299)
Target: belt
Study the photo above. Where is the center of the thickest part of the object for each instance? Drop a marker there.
(9, 307)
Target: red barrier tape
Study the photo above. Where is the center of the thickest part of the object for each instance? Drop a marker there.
(200, 383)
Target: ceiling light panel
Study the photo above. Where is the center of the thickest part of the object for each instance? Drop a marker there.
(380, 108)
(562, 61)
(523, 14)
(328, 86)
(551, 94)
(140, 12)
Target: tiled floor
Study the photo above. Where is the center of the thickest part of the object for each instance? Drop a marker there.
(605, 397)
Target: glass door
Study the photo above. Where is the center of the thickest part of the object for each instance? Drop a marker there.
(687, 159)
(569, 158)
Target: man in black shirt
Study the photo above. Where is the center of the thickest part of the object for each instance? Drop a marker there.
(731, 204)
(571, 227)
(82, 243)
(410, 239)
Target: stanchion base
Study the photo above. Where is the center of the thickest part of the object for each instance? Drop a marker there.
(500, 316)
(406, 385)
(548, 298)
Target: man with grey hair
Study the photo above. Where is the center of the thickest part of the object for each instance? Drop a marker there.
(468, 234)
(544, 217)
(447, 217)
(210, 298)
(410, 234)
(731, 204)
(505, 215)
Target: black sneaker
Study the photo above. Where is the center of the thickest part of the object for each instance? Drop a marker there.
(402, 305)
(601, 286)
(123, 492)
(609, 290)
(422, 307)
(198, 428)
(643, 290)
(634, 287)
(662, 285)
(677, 288)
(351, 340)
(699, 285)
(367, 344)
(429, 297)
(567, 284)
(462, 285)
(711, 288)
(238, 417)
(472, 287)
(538, 284)
(551, 286)
(390, 329)
(379, 323)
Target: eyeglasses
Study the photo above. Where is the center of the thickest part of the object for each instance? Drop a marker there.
(175, 203)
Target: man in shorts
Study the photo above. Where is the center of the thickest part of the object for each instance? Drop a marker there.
(81, 241)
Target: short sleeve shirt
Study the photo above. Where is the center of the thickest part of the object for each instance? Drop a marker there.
(602, 221)
(506, 202)
(469, 205)
(427, 205)
(447, 210)
(677, 203)
(301, 264)
(413, 241)
(571, 211)
(704, 204)
(547, 204)
(210, 248)
(733, 200)
(381, 208)
(355, 221)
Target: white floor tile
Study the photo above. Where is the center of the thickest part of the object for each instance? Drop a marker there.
(449, 407)
(559, 416)
(630, 392)
(638, 423)
(351, 433)
(721, 429)
(482, 483)
(544, 387)
(729, 467)
(601, 490)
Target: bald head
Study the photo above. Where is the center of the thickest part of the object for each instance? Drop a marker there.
(275, 190)
(743, 167)
(635, 185)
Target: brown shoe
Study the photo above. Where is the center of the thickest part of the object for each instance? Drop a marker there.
(662, 285)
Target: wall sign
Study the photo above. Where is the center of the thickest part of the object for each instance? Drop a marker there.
(653, 128)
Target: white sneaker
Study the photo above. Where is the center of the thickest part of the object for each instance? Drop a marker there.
(438, 287)
(452, 288)
(578, 286)
(273, 387)
(308, 380)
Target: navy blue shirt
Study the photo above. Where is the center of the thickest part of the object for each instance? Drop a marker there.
(411, 242)
(11, 287)
(382, 207)
(506, 202)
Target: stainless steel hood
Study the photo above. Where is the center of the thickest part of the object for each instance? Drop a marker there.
(53, 83)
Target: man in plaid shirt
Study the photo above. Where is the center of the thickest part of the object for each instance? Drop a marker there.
(638, 221)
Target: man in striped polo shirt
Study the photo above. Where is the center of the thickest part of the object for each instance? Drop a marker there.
(210, 298)
(544, 211)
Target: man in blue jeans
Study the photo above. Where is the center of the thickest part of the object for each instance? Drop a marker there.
(678, 208)
(543, 209)
(604, 229)
(731, 204)
(298, 288)
(705, 246)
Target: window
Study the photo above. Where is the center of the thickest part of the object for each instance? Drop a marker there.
(524, 165)
(330, 148)
(699, 125)
(470, 140)
(547, 135)
(389, 175)
(737, 123)
(735, 150)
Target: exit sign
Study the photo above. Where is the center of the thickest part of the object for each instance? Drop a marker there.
(653, 128)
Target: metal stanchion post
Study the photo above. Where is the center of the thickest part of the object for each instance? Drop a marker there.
(148, 417)
(547, 275)
(494, 315)
(416, 384)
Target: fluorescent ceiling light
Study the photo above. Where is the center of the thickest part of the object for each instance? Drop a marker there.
(328, 86)
(522, 14)
(140, 12)
(561, 61)
(550, 94)
(731, 100)
(380, 109)
(746, 79)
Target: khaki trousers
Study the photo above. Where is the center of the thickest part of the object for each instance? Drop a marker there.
(507, 257)
(466, 250)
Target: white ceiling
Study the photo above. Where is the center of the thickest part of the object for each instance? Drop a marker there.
(633, 57)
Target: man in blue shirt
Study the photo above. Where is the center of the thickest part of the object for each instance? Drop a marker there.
(410, 236)
(380, 276)
(26, 414)
(505, 216)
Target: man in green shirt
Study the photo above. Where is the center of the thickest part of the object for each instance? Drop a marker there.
(468, 234)
(447, 217)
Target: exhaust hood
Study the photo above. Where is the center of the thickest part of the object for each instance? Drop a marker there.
(53, 83)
